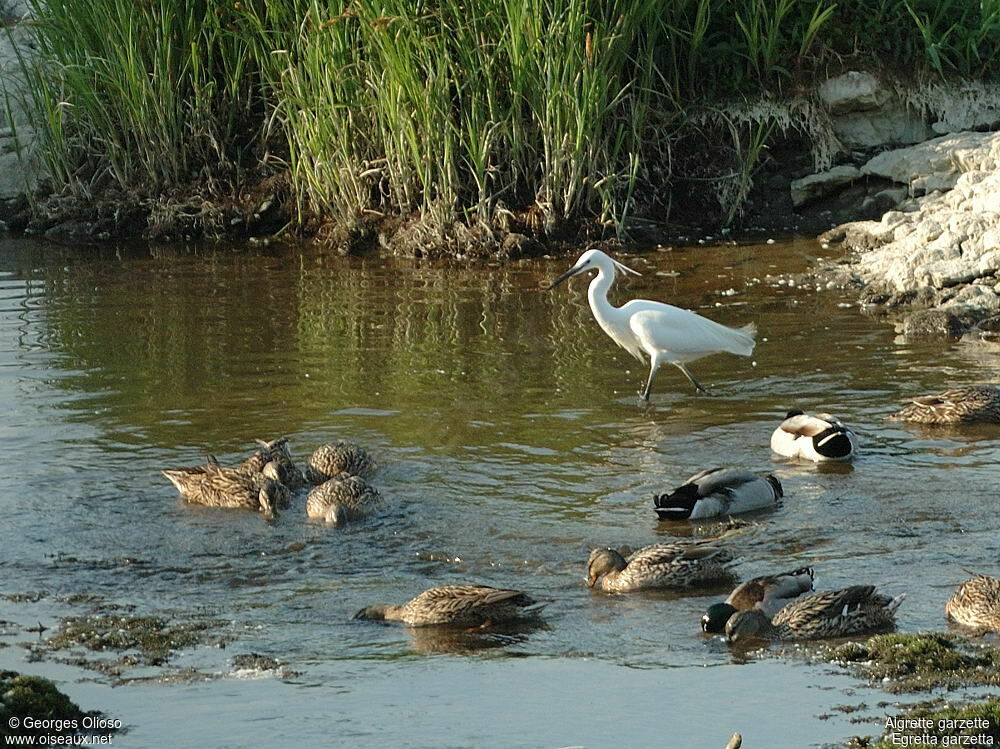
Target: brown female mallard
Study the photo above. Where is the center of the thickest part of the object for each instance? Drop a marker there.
(673, 565)
(857, 610)
(278, 451)
(338, 457)
(342, 498)
(976, 603)
(215, 486)
(456, 605)
(958, 405)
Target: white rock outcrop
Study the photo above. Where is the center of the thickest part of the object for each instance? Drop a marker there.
(945, 240)
(866, 114)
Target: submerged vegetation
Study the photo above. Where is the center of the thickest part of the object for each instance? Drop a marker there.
(33, 697)
(455, 121)
(911, 662)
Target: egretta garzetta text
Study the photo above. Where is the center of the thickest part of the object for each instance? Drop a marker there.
(664, 333)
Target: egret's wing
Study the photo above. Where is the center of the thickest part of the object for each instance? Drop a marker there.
(681, 334)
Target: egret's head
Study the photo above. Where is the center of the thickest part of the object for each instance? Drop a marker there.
(593, 260)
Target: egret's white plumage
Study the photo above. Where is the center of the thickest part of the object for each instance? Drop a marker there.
(664, 333)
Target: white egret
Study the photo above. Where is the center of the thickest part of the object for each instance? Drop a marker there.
(664, 333)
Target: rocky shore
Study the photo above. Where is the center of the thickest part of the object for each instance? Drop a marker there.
(936, 255)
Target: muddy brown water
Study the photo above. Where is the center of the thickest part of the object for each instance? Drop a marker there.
(511, 441)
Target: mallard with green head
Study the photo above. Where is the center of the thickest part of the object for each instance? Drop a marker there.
(958, 405)
(342, 499)
(857, 610)
(769, 593)
(464, 605)
(215, 486)
(335, 458)
(976, 603)
(678, 565)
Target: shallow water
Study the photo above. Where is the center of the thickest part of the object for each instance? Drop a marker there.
(512, 441)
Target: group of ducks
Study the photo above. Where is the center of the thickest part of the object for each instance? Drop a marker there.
(338, 473)
(782, 606)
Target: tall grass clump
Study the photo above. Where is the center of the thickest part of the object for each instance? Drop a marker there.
(463, 111)
(958, 37)
(143, 96)
(482, 114)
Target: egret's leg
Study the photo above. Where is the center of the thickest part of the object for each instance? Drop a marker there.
(654, 365)
(697, 385)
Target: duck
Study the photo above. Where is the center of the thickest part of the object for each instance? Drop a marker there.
(718, 491)
(976, 603)
(855, 610)
(816, 437)
(343, 498)
(461, 605)
(769, 593)
(215, 486)
(334, 458)
(278, 451)
(958, 405)
(680, 564)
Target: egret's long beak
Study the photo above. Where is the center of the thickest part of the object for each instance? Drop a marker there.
(568, 274)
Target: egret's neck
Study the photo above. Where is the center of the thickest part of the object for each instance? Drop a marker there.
(597, 295)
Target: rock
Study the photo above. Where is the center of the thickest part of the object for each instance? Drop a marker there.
(852, 92)
(865, 114)
(885, 200)
(819, 185)
(936, 163)
(15, 11)
(893, 124)
(23, 696)
(19, 167)
(944, 250)
(931, 323)
(971, 105)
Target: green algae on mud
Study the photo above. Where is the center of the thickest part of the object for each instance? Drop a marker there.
(138, 640)
(966, 725)
(918, 662)
(922, 662)
(26, 698)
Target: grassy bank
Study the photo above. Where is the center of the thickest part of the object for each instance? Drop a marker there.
(461, 121)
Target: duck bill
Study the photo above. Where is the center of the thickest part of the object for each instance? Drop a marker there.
(568, 274)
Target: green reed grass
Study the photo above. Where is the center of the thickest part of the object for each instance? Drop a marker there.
(480, 112)
(141, 95)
